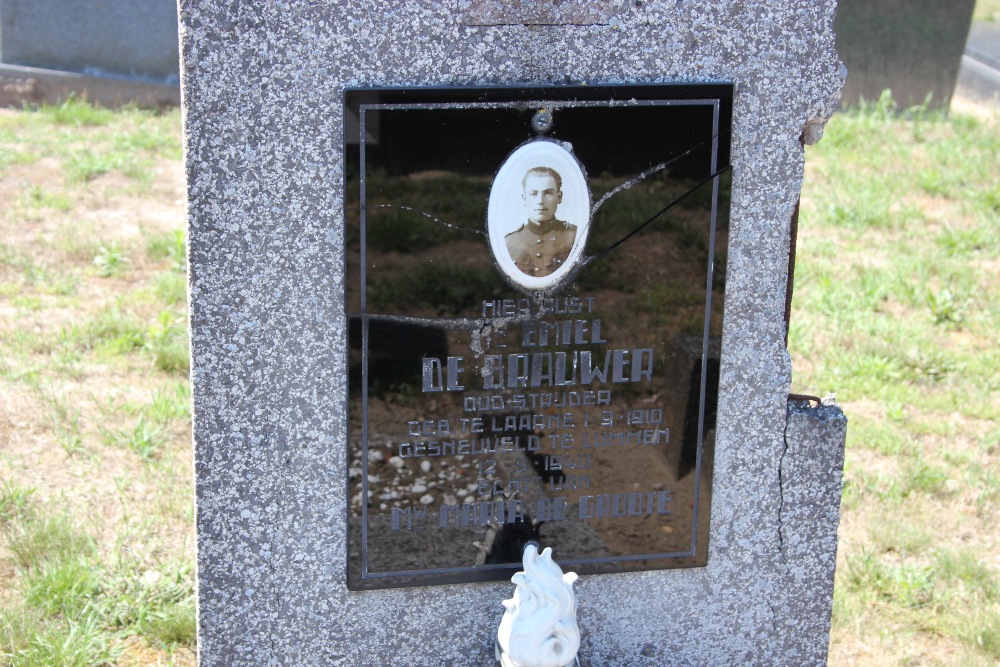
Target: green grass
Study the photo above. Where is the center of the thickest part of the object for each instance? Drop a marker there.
(144, 439)
(171, 404)
(171, 288)
(10, 157)
(968, 570)
(895, 530)
(95, 354)
(987, 10)
(111, 260)
(158, 602)
(111, 330)
(38, 197)
(167, 342)
(172, 246)
(75, 608)
(14, 501)
(66, 424)
(90, 141)
(64, 587)
(77, 113)
(40, 276)
(30, 640)
(85, 165)
(896, 310)
(37, 540)
(173, 625)
(118, 331)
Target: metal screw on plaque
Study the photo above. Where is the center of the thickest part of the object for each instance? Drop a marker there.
(542, 121)
(539, 626)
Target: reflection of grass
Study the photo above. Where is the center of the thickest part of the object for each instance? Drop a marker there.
(670, 296)
(455, 200)
(629, 209)
(401, 231)
(602, 274)
(448, 288)
(672, 305)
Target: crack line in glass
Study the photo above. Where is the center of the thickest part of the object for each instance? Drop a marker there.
(646, 174)
(420, 212)
(656, 215)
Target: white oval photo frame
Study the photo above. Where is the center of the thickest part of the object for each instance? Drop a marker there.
(506, 212)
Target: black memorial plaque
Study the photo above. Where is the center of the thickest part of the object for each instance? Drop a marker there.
(535, 294)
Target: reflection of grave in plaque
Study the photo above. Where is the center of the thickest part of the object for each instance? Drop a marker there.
(416, 545)
(683, 366)
(573, 537)
(392, 348)
(503, 542)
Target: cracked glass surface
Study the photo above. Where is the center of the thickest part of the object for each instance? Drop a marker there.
(484, 414)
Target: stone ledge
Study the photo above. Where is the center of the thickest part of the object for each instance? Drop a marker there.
(32, 85)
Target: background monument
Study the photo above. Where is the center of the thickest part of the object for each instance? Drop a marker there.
(108, 51)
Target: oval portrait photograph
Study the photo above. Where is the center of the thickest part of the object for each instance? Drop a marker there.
(538, 214)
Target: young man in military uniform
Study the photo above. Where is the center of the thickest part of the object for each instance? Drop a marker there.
(540, 246)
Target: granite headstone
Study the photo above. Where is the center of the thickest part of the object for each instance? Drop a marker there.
(278, 345)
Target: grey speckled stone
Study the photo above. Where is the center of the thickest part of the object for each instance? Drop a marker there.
(262, 86)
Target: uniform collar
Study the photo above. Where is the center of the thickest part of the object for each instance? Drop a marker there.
(540, 230)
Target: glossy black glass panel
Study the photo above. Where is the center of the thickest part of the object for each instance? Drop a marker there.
(535, 321)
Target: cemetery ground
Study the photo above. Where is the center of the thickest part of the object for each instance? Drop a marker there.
(896, 310)
(96, 515)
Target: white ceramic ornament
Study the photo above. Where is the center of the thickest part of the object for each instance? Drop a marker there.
(539, 626)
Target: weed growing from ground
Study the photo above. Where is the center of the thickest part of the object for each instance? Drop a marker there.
(74, 608)
(77, 113)
(170, 404)
(111, 260)
(144, 439)
(167, 341)
(27, 640)
(14, 501)
(171, 288)
(39, 197)
(48, 538)
(172, 246)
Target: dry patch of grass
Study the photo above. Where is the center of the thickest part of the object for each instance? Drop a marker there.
(96, 534)
(896, 309)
